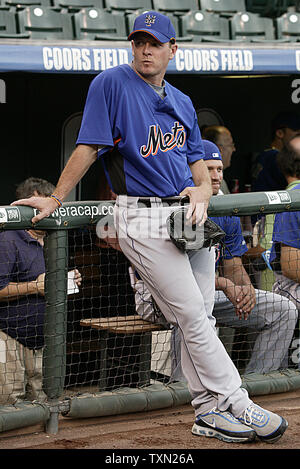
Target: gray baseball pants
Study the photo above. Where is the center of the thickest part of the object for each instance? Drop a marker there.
(183, 287)
(273, 318)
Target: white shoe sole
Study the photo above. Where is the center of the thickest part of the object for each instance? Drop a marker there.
(212, 433)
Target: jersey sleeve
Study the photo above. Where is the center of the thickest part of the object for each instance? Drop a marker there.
(97, 125)
(195, 149)
(287, 229)
(235, 244)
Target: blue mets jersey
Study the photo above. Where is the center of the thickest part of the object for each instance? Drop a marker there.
(151, 140)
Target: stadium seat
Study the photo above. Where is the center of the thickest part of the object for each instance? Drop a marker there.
(223, 7)
(270, 8)
(174, 19)
(128, 5)
(175, 6)
(3, 6)
(77, 4)
(288, 27)
(204, 26)
(44, 23)
(94, 23)
(8, 25)
(251, 27)
(25, 3)
(260, 7)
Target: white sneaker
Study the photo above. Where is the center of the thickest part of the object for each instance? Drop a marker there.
(268, 426)
(222, 425)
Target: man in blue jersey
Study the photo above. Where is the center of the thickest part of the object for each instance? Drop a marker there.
(285, 252)
(147, 134)
(265, 313)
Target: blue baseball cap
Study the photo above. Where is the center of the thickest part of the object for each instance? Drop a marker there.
(211, 151)
(156, 24)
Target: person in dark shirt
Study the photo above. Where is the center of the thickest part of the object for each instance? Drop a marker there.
(22, 306)
(267, 176)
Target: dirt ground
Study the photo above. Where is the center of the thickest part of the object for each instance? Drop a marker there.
(163, 429)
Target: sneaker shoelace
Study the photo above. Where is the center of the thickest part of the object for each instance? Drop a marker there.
(252, 413)
(228, 415)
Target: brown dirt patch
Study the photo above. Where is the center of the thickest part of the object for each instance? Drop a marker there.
(160, 429)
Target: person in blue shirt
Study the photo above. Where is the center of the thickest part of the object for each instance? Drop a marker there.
(22, 305)
(285, 251)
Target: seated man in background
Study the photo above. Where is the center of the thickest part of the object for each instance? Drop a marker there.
(237, 303)
(288, 165)
(285, 252)
(22, 305)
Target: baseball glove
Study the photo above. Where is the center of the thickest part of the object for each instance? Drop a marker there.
(192, 237)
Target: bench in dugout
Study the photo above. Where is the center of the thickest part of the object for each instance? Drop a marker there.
(126, 327)
(113, 349)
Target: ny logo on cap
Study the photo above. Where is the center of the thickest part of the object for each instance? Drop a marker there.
(150, 19)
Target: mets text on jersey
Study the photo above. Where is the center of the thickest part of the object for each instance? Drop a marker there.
(163, 142)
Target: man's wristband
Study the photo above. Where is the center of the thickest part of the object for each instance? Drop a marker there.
(59, 202)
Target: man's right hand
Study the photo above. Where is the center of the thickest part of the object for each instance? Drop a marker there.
(242, 297)
(45, 205)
